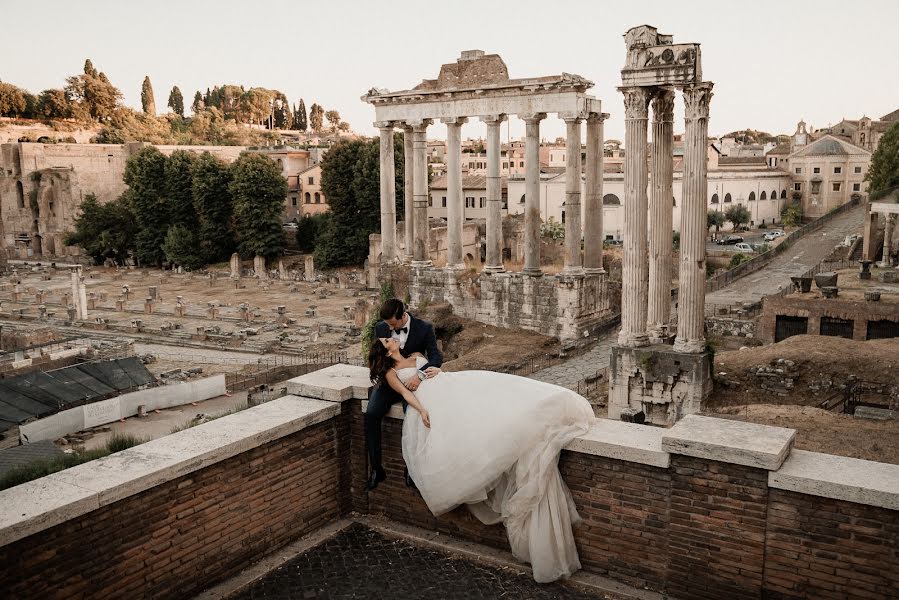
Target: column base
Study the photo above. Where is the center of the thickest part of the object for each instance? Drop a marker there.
(498, 269)
(689, 346)
(633, 340)
(422, 263)
(595, 271)
(532, 272)
(574, 271)
(456, 267)
(407, 259)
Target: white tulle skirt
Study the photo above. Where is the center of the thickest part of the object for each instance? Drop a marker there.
(494, 444)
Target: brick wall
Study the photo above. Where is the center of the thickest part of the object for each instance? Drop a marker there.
(176, 539)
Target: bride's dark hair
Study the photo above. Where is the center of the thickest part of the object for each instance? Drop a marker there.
(378, 362)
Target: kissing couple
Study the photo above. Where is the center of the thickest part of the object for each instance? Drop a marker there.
(488, 440)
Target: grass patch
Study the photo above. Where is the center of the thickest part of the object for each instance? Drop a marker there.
(42, 468)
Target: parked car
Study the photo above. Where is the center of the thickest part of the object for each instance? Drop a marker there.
(729, 240)
(744, 247)
(290, 226)
(773, 235)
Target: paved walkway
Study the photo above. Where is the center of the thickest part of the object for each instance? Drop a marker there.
(795, 261)
(361, 563)
(580, 367)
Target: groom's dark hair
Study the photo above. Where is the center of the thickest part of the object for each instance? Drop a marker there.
(392, 309)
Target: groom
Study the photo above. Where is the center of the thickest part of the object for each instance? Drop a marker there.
(414, 335)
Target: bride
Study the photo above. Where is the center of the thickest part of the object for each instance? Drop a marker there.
(492, 441)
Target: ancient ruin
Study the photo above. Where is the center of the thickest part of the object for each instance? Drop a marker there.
(646, 375)
(873, 212)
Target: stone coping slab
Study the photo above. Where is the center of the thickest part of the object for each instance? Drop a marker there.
(334, 384)
(840, 478)
(736, 442)
(40, 504)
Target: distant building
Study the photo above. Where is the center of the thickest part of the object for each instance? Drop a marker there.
(474, 194)
(310, 192)
(865, 132)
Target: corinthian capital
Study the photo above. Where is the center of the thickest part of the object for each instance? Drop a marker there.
(696, 101)
(636, 102)
(663, 105)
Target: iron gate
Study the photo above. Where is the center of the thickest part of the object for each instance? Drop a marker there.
(879, 330)
(837, 327)
(787, 326)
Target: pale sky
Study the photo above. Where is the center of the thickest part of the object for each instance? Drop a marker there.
(772, 61)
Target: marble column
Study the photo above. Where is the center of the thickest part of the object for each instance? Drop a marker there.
(691, 296)
(660, 215)
(887, 240)
(634, 262)
(388, 194)
(420, 245)
(574, 264)
(532, 194)
(408, 193)
(494, 196)
(454, 209)
(593, 234)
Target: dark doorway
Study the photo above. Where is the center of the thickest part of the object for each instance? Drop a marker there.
(789, 326)
(837, 327)
(880, 330)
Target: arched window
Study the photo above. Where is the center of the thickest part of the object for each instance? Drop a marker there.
(673, 201)
(783, 194)
(318, 198)
(280, 164)
(727, 198)
(714, 198)
(774, 194)
(308, 198)
(20, 194)
(522, 199)
(764, 195)
(752, 196)
(611, 200)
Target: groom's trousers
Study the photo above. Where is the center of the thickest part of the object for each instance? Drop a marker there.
(379, 402)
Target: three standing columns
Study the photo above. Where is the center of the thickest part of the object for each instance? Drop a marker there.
(593, 235)
(634, 267)
(388, 194)
(573, 261)
(494, 196)
(532, 194)
(660, 216)
(454, 211)
(691, 296)
(420, 249)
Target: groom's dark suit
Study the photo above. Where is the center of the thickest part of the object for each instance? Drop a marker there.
(420, 338)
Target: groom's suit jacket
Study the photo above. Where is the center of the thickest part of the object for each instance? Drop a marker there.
(421, 338)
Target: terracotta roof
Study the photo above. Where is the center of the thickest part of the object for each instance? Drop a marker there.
(893, 116)
(741, 160)
(780, 149)
(829, 145)
(469, 182)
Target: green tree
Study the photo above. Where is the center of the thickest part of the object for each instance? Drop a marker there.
(281, 113)
(198, 104)
(351, 182)
(179, 190)
(883, 174)
(309, 229)
(213, 205)
(714, 219)
(92, 94)
(316, 117)
(259, 190)
(299, 117)
(738, 259)
(53, 104)
(333, 118)
(12, 100)
(176, 101)
(180, 247)
(104, 230)
(147, 101)
(738, 215)
(145, 177)
(791, 216)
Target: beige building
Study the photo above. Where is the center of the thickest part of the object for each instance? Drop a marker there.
(474, 192)
(313, 201)
(865, 132)
(826, 174)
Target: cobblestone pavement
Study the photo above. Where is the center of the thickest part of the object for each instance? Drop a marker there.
(580, 367)
(796, 260)
(361, 563)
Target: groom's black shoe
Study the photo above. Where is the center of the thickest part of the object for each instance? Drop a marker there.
(377, 476)
(408, 478)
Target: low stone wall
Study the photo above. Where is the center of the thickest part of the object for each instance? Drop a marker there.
(707, 509)
(730, 327)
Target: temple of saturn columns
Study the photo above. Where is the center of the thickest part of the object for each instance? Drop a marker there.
(477, 85)
(646, 373)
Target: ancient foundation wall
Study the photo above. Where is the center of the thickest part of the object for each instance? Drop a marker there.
(707, 509)
(815, 308)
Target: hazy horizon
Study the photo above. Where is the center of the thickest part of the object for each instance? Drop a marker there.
(773, 63)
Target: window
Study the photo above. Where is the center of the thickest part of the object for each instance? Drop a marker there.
(714, 198)
(469, 201)
(856, 187)
(443, 201)
(430, 201)
(505, 165)
(816, 187)
(611, 200)
(521, 164)
(727, 198)
(836, 186)
(293, 200)
(797, 186)
(837, 170)
(483, 202)
(799, 170)
(522, 199)
(311, 180)
(774, 194)
(816, 170)
(857, 170)
(318, 198)
(308, 198)
(751, 196)
(764, 196)
(280, 164)
(783, 193)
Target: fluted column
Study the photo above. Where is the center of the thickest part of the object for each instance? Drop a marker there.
(887, 240)
(454, 209)
(593, 235)
(691, 296)
(388, 194)
(420, 246)
(494, 196)
(634, 263)
(574, 264)
(660, 215)
(532, 194)
(408, 192)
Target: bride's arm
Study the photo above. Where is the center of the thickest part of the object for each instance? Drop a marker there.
(408, 396)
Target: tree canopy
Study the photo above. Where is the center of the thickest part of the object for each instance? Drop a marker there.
(258, 189)
(104, 230)
(883, 174)
(714, 219)
(147, 101)
(176, 101)
(738, 215)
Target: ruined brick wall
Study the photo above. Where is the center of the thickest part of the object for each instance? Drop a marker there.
(176, 539)
(812, 306)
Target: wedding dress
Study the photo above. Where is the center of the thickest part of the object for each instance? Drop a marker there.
(494, 444)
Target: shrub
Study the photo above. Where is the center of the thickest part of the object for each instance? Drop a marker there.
(738, 259)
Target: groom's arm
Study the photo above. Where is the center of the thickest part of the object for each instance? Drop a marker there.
(435, 357)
